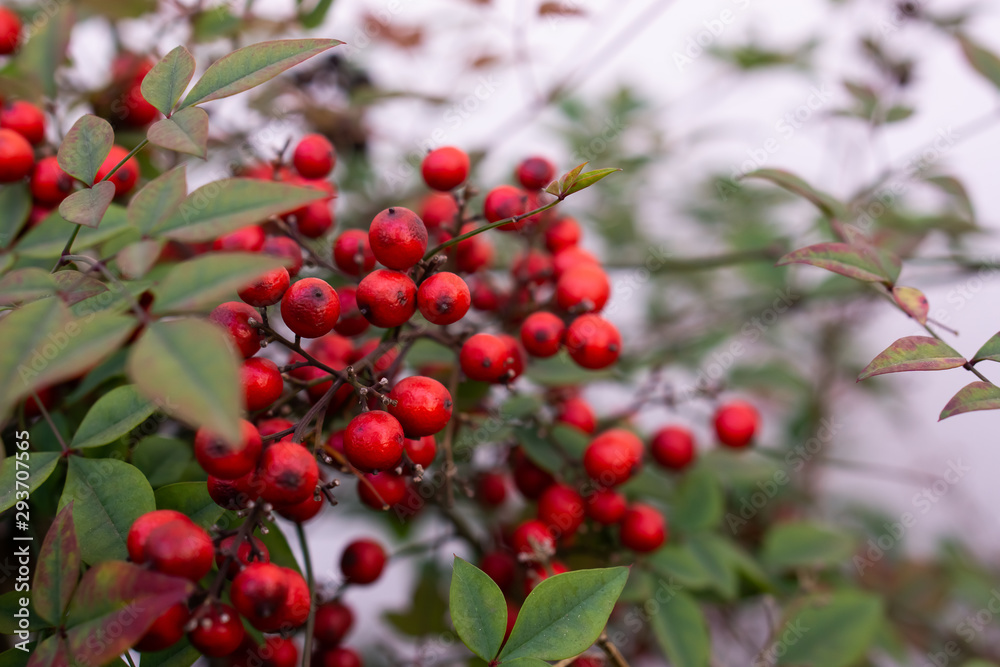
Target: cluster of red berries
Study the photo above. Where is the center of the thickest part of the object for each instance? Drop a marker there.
(122, 101)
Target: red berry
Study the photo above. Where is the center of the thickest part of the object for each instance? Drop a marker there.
(245, 239)
(530, 480)
(289, 473)
(16, 156)
(539, 573)
(352, 254)
(243, 554)
(483, 357)
(166, 630)
(259, 593)
(332, 350)
(514, 361)
(310, 308)
(423, 405)
(475, 252)
(593, 342)
(673, 447)
(736, 423)
(340, 657)
(262, 383)
(535, 173)
(335, 442)
(491, 489)
(234, 317)
(363, 561)
(438, 210)
(533, 535)
(333, 622)
(398, 238)
(268, 289)
(314, 157)
(303, 511)
(373, 441)
(284, 247)
(532, 268)
(136, 111)
(180, 549)
(421, 451)
(235, 494)
(125, 178)
(542, 334)
(570, 258)
(485, 296)
(583, 289)
(10, 32)
(443, 298)
(219, 632)
(577, 412)
(506, 201)
(612, 457)
(588, 661)
(387, 298)
(383, 490)
(445, 168)
(561, 509)
(643, 529)
(561, 234)
(274, 425)
(24, 118)
(298, 599)
(314, 219)
(49, 183)
(279, 652)
(606, 506)
(138, 534)
(223, 460)
(500, 567)
(351, 322)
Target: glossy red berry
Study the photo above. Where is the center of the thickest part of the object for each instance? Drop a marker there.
(314, 156)
(262, 383)
(491, 489)
(340, 657)
(561, 234)
(475, 252)
(373, 441)
(242, 554)
(506, 201)
(279, 652)
(219, 632)
(514, 361)
(24, 118)
(352, 254)
(423, 405)
(535, 173)
(138, 534)
(613, 456)
(180, 549)
(125, 178)
(383, 490)
(483, 357)
(333, 622)
(570, 258)
(577, 412)
(223, 460)
(16, 156)
(136, 111)
(736, 423)
(259, 593)
(387, 298)
(289, 473)
(274, 425)
(421, 451)
(533, 267)
(500, 567)
(439, 210)
(314, 219)
(673, 447)
(268, 289)
(363, 561)
(166, 630)
(444, 298)
(10, 31)
(351, 322)
(303, 511)
(605, 506)
(234, 317)
(298, 600)
(245, 239)
(285, 248)
(561, 509)
(593, 342)
(49, 183)
(310, 308)
(643, 528)
(445, 168)
(398, 238)
(542, 334)
(583, 289)
(531, 536)
(530, 479)
(538, 573)
(235, 494)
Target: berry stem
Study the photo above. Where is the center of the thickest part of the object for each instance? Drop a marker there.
(610, 650)
(485, 228)
(310, 580)
(449, 434)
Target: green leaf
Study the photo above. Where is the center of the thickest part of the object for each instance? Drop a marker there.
(43, 55)
(181, 654)
(48, 238)
(971, 398)
(573, 181)
(525, 662)
(990, 351)
(27, 284)
(565, 614)
(539, 450)
(913, 353)
(53, 652)
(190, 369)
(165, 83)
(113, 416)
(40, 466)
(478, 610)
(204, 282)
(87, 207)
(185, 132)
(681, 631)
(85, 148)
(698, 503)
(833, 630)
(15, 207)
(912, 301)
(570, 439)
(425, 614)
(108, 496)
(190, 499)
(14, 657)
(715, 557)
(314, 18)
(805, 544)
(20, 332)
(136, 259)
(678, 561)
(253, 65)
(58, 568)
(982, 59)
(162, 460)
(828, 205)
(10, 602)
(156, 202)
(223, 206)
(842, 258)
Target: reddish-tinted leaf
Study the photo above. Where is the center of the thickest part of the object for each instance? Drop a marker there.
(827, 204)
(842, 258)
(990, 351)
(115, 604)
(53, 652)
(87, 207)
(85, 147)
(913, 353)
(185, 132)
(971, 398)
(165, 83)
(912, 301)
(58, 568)
(982, 60)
